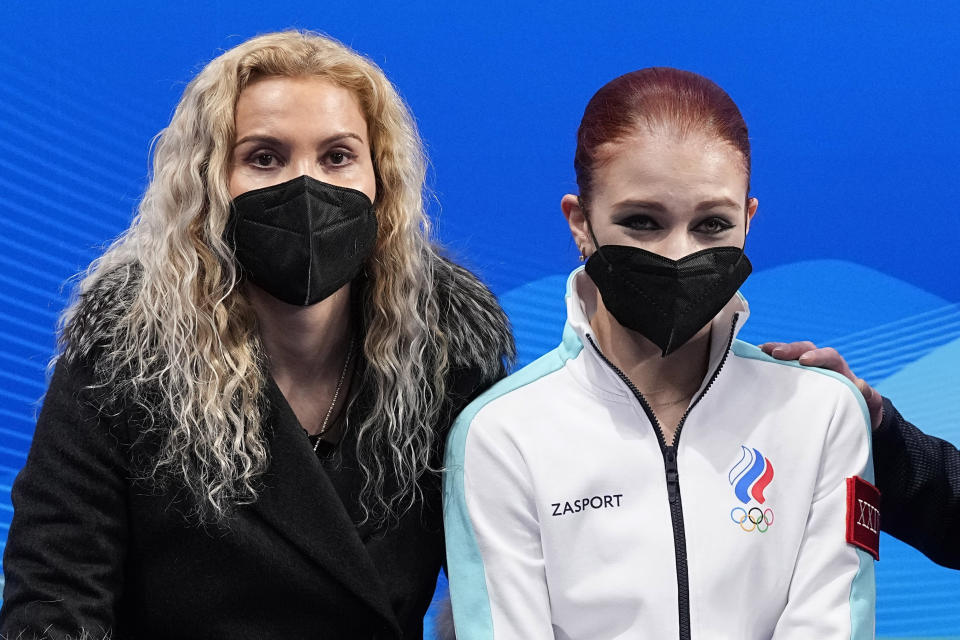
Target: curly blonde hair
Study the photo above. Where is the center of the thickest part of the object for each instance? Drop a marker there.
(186, 332)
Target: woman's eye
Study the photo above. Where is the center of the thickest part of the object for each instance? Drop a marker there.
(714, 226)
(640, 223)
(339, 157)
(264, 159)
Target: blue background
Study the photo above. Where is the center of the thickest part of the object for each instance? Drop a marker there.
(854, 122)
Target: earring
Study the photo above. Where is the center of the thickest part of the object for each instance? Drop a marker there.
(582, 256)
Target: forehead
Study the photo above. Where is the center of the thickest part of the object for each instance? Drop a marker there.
(302, 103)
(670, 168)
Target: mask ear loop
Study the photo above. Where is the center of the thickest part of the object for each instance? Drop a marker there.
(746, 226)
(593, 236)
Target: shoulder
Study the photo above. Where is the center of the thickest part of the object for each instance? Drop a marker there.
(826, 406)
(497, 412)
(88, 368)
(814, 380)
(77, 410)
(71, 389)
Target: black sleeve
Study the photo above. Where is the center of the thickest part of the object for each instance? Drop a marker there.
(919, 479)
(63, 561)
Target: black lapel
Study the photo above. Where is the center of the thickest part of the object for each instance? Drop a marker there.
(299, 500)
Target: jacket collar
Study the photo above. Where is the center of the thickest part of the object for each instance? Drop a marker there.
(299, 501)
(581, 300)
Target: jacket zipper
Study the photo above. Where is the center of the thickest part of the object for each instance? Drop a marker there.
(673, 477)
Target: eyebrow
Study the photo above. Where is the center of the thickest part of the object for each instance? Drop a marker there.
(718, 203)
(271, 140)
(643, 204)
(653, 205)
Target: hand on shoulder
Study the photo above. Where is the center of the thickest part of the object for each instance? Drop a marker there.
(809, 355)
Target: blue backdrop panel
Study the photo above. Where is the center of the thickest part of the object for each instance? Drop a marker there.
(854, 125)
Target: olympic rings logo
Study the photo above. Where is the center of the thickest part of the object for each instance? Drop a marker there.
(753, 520)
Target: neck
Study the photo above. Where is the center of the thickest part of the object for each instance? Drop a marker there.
(664, 381)
(304, 345)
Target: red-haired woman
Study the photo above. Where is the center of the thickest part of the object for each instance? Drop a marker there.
(655, 477)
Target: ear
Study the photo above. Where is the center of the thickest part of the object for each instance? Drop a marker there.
(577, 219)
(752, 205)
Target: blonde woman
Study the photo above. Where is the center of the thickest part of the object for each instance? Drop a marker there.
(244, 425)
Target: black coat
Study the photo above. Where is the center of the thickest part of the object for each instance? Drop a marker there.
(93, 549)
(90, 548)
(919, 480)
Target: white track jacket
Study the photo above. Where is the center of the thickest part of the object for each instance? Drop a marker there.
(567, 516)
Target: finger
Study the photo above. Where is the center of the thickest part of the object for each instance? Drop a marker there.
(768, 347)
(871, 395)
(792, 350)
(827, 358)
(874, 402)
(876, 417)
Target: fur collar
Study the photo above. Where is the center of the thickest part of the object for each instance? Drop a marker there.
(477, 330)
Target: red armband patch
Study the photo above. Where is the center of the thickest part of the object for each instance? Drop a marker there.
(863, 515)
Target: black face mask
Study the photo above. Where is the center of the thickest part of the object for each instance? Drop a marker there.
(302, 240)
(667, 301)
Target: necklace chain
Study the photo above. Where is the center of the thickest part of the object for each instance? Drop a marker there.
(336, 394)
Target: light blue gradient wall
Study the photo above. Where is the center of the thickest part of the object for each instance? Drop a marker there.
(854, 122)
